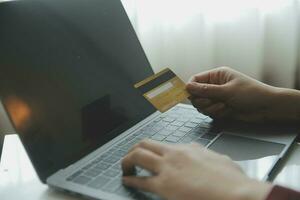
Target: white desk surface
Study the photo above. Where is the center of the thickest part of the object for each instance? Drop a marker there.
(18, 179)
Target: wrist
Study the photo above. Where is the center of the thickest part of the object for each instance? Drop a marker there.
(286, 104)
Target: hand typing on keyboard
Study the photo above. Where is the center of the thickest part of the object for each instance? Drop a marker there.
(188, 171)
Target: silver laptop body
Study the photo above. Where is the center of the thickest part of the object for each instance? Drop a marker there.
(268, 148)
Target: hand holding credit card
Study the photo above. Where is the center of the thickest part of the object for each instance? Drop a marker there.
(163, 90)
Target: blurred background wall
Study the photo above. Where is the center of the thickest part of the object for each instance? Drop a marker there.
(257, 37)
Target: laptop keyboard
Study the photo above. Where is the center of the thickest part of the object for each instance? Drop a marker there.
(178, 125)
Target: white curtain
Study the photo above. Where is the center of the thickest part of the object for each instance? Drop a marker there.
(257, 37)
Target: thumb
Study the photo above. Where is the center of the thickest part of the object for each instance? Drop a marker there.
(207, 90)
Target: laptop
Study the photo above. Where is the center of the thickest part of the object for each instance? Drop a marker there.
(66, 82)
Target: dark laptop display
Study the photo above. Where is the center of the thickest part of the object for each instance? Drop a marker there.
(67, 70)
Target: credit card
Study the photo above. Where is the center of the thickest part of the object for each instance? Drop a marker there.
(163, 90)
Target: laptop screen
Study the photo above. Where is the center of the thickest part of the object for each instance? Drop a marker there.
(67, 75)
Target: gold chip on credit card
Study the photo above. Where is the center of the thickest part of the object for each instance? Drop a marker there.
(163, 90)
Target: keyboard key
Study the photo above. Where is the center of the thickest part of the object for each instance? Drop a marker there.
(144, 173)
(92, 172)
(149, 133)
(165, 132)
(196, 120)
(142, 136)
(200, 116)
(177, 123)
(111, 159)
(171, 127)
(183, 119)
(201, 141)
(194, 137)
(200, 129)
(195, 133)
(157, 120)
(105, 155)
(82, 180)
(74, 175)
(99, 182)
(172, 139)
(163, 115)
(138, 169)
(184, 129)
(157, 128)
(112, 173)
(122, 143)
(96, 169)
(186, 140)
(154, 122)
(126, 147)
(188, 116)
(111, 150)
(194, 112)
(147, 128)
(117, 167)
(120, 153)
(169, 119)
(98, 159)
(158, 137)
(94, 161)
(113, 186)
(138, 132)
(128, 139)
(162, 123)
(174, 115)
(131, 143)
(190, 125)
(102, 166)
(179, 134)
(137, 139)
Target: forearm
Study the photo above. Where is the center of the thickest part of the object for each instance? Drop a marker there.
(285, 105)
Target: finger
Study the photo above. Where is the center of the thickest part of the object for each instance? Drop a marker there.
(151, 145)
(207, 90)
(203, 77)
(224, 112)
(214, 109)
(146, 184)
(154, 146)
(202, 102)
(214, 76)
(197, 145)
(142, 158)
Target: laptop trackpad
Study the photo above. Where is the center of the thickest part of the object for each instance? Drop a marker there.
(256, 157)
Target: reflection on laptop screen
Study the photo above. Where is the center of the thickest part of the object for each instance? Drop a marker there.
(67, 75)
